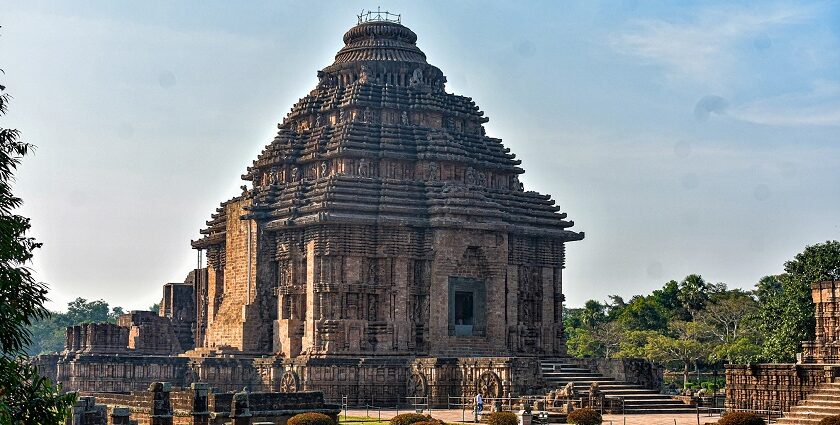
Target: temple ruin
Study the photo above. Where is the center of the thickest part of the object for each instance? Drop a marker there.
(383, 247)
(797, 389)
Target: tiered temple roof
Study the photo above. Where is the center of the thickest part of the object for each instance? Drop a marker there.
(379, 140)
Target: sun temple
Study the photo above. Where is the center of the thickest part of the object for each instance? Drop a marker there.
(383, 246)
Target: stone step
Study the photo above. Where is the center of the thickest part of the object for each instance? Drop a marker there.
(822, 403)
(810, 408)
(637, 399)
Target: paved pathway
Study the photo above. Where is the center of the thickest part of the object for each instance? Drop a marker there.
(456, 416)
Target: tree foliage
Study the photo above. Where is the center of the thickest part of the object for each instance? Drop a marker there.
(786, 314)
(49, 332)
(694, 323)
(25, 397)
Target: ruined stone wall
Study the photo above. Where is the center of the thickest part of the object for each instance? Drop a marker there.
(773, 386)
(179, 305)
(372, 380)
(105, 338)
(149, 333)
(233, 296)
(102, 372)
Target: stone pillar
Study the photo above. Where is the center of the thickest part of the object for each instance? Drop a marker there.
(200, 409)
(120, 416)
(161, 409)
(240, 410)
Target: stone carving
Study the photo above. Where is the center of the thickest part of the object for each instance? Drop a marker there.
(469, 178)
(568, 391)
(594, 391)
(416, 78)
(367, 117)
(341, 116)
(319, 120)
(482, 179)
(489, 385)
(416, 385)
(324, 169)
(363, 168)
(294, 174)
(404, 118)
(363, 74)
(289, 382)
(433, 173)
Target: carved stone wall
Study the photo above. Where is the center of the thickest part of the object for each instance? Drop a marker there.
(163, 404)
(773, 386)
(826, 346)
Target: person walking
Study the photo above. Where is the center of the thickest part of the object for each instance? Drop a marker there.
(479, 406)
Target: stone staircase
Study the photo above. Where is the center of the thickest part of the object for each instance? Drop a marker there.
(637, 399)
(822, 403)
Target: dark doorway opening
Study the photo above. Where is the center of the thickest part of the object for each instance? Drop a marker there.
(464, 308)
(464, 315)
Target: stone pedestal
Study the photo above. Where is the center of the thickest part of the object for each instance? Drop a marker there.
(524, 417)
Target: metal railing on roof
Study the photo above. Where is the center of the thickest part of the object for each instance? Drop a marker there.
(378, 16)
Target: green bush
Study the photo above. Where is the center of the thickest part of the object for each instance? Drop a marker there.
(502, 418)
(831, 420)
(411, 418)
(311, 418)
(741, 418)
(585, 417)
(431, 422)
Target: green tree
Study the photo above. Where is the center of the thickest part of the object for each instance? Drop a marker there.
(593, 313)
(644, 313)
(686, 349)
(633, 343)
(786, 316)
(25, 397)
(581, 343)
(694, 293)
(730, 315)
(669, 298)
(155, 307)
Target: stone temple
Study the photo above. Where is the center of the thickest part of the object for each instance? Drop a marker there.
(383, 247)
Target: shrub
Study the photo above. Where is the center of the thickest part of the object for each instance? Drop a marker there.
(741, 418)
(502, 418)
(831, 420)
(310, 418)
(411, 418)
(431, 422)
(585, 417)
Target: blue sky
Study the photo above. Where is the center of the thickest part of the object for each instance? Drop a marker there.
(681, 137)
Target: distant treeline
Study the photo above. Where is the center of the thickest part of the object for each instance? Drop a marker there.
(48, 334)
(694, 323)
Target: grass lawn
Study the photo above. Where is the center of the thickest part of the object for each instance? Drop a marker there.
(361, 420)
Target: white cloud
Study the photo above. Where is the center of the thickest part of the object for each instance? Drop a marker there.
(818, 107)
(704, 49)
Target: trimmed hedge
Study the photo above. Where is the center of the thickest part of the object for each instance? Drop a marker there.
(831, 420)
(585, 417)
(502, 418)
(741, 418)
(411, 418)
(310, 418)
